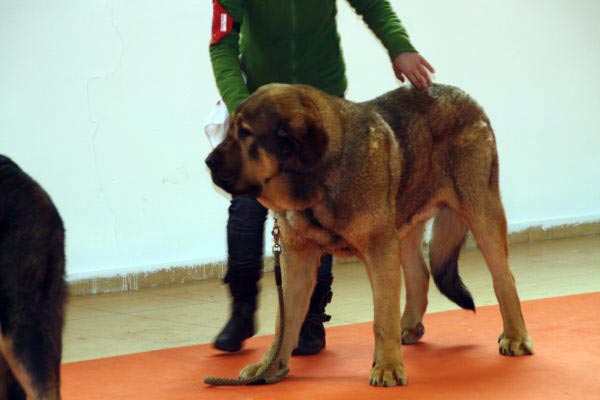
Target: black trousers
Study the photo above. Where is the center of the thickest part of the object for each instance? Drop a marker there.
(245, 239)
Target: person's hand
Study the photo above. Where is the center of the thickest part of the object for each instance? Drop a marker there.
(414, 67)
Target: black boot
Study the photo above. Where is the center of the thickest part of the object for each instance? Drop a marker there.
(244, 289)
(312, 333)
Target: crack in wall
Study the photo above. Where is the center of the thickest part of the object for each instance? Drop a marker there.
(96, 118)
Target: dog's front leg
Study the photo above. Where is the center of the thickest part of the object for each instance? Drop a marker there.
(383, 265)
(299, 276)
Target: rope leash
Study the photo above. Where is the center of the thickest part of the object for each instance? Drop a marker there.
(259, 378)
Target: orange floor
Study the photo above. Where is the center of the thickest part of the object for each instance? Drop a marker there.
(457, 359)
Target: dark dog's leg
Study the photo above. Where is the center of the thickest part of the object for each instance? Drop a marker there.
(4, 371)
(17, 370)
(416, 276)
(33, 350)
(488, 224)
(34, 360)
(9, 387)
(15, 391)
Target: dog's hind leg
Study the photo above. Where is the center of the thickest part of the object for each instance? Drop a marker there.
(383, 266)
(35, 369)
(416, 276)
(10, 389)
(299, 267)
(488, 224)
(4, 377)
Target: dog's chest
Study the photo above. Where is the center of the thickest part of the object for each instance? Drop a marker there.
(305, 224)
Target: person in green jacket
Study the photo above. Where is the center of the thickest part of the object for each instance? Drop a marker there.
(255, 42)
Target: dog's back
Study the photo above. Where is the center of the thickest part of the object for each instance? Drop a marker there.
(446, 110)
(32, 287)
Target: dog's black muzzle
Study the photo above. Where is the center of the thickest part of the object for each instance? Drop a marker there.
(223, 178)
(227, 178)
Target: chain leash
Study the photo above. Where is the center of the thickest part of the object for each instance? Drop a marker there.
(259, 378)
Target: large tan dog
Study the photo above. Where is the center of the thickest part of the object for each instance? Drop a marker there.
(361, 180)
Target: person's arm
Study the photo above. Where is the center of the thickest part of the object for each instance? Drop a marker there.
(382, 20)
(225, 52)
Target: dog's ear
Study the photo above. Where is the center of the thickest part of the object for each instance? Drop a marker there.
(303, 142)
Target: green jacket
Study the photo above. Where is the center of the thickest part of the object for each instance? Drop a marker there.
(293, 41)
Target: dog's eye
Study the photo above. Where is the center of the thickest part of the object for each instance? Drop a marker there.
(244, 133)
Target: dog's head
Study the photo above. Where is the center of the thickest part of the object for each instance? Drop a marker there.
(275, 142)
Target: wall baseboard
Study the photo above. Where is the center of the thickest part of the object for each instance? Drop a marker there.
(216, 270)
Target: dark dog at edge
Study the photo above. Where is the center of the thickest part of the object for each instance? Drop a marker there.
(361, 179)
(32, 288)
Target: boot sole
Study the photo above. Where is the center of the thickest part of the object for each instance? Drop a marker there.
(227, 348)
(306, 352)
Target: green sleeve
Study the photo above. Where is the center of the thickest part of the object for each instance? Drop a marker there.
(382, 20)
(225, 59)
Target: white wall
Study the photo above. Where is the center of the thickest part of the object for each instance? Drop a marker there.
(103, 102)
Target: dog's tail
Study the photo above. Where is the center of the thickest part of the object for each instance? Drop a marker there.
(449, 234)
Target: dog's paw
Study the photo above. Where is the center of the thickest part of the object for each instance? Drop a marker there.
(412, 335)
(250, 371)
(513, 347)
(388, 376)
(274, 374)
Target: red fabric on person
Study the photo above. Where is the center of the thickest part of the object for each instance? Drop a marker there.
(222, 23)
